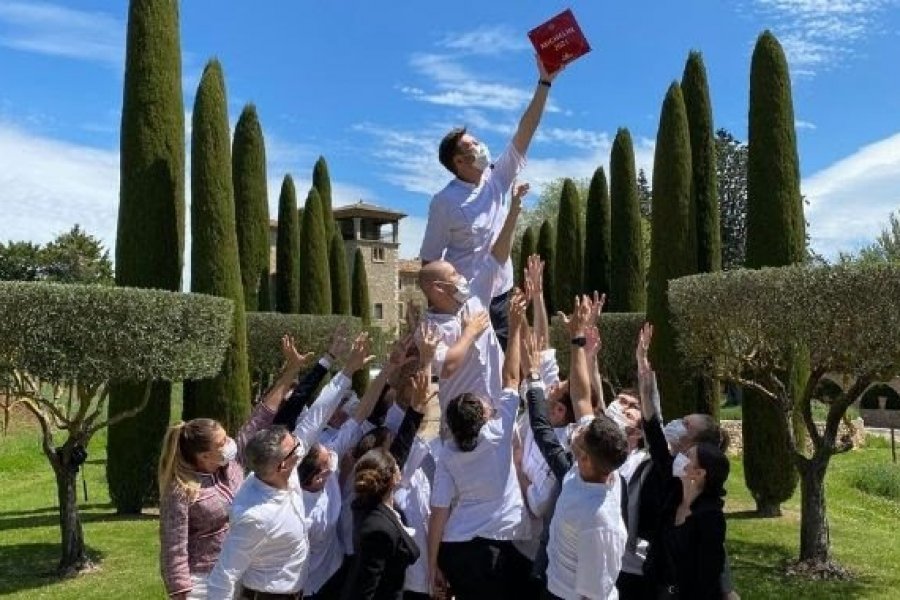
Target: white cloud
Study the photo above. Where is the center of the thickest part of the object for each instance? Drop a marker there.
(818, 34)
(486, 40)
(456, 86)
(60, 31)
(849, 201)
(800, 124)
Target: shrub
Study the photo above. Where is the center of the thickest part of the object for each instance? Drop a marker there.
(619, 332)
(312, 333)
(878, 479)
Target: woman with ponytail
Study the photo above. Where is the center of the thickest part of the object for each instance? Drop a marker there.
(384, 546)
(199, 473)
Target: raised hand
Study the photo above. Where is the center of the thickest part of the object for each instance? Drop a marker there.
(293, 360)
(578, 322)
(642, 349)
(531, 358)
(517, 304)
(358, 356)
(542, 70)
(597, 307)
(594, 343)
(534, 276)
(474, 324)
(520, 190)
(422, 394)
(427, 341)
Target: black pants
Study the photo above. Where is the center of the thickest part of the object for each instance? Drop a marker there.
(635, 587)
(408, 595)
(499, 312)
(479, 569)
(331, 589)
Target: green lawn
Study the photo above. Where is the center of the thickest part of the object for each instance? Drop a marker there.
(864, 534)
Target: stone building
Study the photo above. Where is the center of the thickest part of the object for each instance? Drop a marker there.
(408, 291)
(375, 231)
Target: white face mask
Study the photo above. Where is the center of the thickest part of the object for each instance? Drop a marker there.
(675, 431)
(462, 293)
(228, 452)
(482, 157)
(617, 415)
(679, 465)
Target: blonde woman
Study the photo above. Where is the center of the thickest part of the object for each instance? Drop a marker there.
(199, 473)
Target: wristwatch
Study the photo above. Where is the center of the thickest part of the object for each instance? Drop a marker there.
(534, 377)
(580, 341)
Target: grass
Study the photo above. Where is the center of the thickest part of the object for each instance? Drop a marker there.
(819, 412)
(863, 533)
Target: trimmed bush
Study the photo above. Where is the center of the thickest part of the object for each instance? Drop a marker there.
(315, 280)
(569, 258)
(627, 283)
(93, 334)
(546, 248)
(619, 332)
(878, 479)
(321, 180)
(312, 333)
(362, 308)
(340, 278)
(597, 232)
(287, 250)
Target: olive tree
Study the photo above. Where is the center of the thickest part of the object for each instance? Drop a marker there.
(63, 346)
(746, 325)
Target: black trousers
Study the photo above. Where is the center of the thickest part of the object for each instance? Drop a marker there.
(479, 569)
(499, 313)
(635, 587)
(331, 589)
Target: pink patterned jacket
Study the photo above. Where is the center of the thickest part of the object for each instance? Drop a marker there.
(191, 533)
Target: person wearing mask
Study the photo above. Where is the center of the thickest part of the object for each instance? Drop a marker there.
(465, 218)
(468, 357)
(200, 471)
(476, 503)
(266, 549)
(384, 545)
(587, 534)
(686, 557)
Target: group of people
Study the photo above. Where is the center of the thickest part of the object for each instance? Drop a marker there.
(535, 487)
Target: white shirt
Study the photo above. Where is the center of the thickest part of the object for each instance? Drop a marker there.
(480, 486)
(633, 560)
(413, 497)
(464, 219)
(323, 509)
(587, 539)
(267, 544)
(481, 370)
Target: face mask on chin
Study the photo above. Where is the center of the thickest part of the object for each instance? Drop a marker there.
(675, 432)
(679, 465)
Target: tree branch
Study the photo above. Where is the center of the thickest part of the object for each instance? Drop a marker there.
(98, 410)
(806, 406)
(148, 386)
(47, 433)
(840, 405)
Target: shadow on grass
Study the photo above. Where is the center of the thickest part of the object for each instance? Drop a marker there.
(759, 573)
(51, 509)
(741, 515)
(50, 518)
(30, 566)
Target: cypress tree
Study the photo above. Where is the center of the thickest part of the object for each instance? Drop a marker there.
(528, 246)
(672, 251)
(287, 251)
(569, 245)
(215, 268)
(597, 231)
(265, 292)
(150, 234)
(251, 203)
(626, 276)
(775, 237)
(546, 247)
(322, 182)
(315, 281)
(340, 278)
(704, 194)
(360, 307)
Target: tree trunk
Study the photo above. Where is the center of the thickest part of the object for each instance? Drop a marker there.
(766, 508)
(815, 541)
(73, 557)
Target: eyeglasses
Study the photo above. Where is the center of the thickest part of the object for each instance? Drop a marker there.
(293, 452)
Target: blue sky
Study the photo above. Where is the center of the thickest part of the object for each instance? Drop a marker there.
(373, 86)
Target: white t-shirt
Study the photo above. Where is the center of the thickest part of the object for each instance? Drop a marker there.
(480, 487)
(464, 219)
(412, 497)
(587, 539)
(481, 370)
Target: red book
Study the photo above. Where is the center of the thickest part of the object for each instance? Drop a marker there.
(559, 41)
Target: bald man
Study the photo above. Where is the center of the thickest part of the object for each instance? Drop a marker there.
(468, 356)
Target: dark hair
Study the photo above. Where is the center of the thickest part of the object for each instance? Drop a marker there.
(712, 433)
(605, 443)
(465, 417)
(712, 459)
(264, 452)
(566, 400)
(196, 437)
(377, 438)
(450, 147)
(373, 477)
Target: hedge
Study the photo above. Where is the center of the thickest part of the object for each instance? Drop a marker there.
(312, 333)
(619, 332)
(92, 334)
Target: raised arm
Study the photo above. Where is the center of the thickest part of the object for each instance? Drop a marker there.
(503, 244)
(534, 289)
(592, 349)
(511, 376)
(473, 325)
(579, 378)
(544, 436)
(532, 116)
